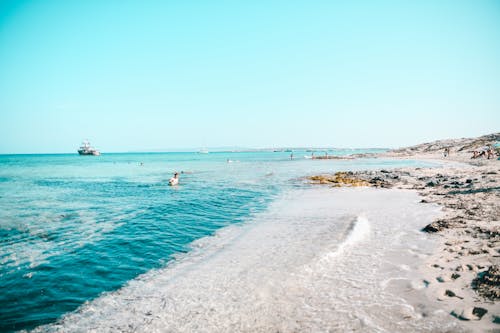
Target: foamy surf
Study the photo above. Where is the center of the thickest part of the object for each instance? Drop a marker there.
(270, 274)
(358, 230)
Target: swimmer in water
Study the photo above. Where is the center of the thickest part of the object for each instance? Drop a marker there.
(174, 180)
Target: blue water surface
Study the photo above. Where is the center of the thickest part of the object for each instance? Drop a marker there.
(73, 227)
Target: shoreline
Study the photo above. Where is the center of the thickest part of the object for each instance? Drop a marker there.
(317, 260)
(463, 273)
(344, 259)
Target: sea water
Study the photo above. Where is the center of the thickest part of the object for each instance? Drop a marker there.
(74, 227)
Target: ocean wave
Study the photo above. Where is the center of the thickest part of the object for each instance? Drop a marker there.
(357, 231)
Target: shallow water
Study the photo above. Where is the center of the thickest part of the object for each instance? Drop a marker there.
(73, 227)
(317, 260)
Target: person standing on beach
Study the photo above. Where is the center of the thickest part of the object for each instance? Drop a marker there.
(490, 153)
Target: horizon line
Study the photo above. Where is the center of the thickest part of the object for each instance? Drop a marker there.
(211, 150)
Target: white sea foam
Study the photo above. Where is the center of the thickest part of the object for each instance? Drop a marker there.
(318, 260)
(358, 230)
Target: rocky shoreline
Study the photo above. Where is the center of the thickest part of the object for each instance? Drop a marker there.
(464, 274)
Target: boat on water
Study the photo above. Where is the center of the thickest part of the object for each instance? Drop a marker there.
(87, 149)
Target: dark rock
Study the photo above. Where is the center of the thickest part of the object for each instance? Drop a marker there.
(432, 227)
(436, 226)
(469, 313)
(479, 312)
(462, 315)
(450, 293)
(487, 283)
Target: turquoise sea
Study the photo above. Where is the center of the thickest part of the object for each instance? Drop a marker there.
(73, 227)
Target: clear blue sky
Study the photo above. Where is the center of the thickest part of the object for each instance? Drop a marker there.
(140, 75)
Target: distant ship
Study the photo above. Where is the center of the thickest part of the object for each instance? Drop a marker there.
(87, 149)
(203, 151)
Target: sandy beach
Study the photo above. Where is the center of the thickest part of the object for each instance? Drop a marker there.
(318, 260)
(413, 249)
(400, 250)
(249, 166)
(463, 273)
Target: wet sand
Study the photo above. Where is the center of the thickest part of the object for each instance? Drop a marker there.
(319, 260)
(463, 274)
(405, 250)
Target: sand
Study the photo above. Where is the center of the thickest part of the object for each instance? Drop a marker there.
(418, 252)
(463, 274)
(319, 260)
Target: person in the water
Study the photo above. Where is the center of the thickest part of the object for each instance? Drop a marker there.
(174, 180)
